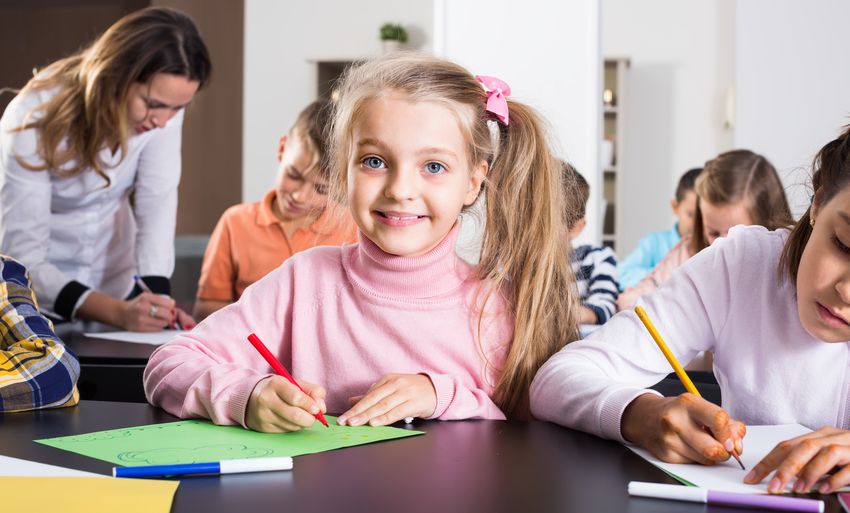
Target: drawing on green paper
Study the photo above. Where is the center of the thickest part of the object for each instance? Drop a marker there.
(192, 441)
(172, 455)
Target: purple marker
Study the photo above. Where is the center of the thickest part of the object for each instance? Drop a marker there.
(705, 496)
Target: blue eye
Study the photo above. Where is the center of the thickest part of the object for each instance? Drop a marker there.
(434, 168)
(373, 163)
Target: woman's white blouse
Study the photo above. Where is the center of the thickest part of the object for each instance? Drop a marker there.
(81, 229)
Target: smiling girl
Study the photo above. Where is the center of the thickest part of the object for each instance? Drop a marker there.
(90, 162)
(398, 325)
(774, 308)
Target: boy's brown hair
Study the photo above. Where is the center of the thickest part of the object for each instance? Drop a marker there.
(687, 183)
(577, 192)
(311, 127)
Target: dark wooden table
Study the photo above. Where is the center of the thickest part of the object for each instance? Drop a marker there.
(105, 351)
(469, 466)
(110, 370)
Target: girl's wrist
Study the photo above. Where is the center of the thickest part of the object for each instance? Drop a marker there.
(633, 421)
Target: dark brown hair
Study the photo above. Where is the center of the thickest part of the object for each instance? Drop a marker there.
(741, 176)
(830, 175)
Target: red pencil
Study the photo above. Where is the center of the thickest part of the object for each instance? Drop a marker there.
(279, 368)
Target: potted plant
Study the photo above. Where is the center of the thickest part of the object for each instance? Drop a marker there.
(392, 35)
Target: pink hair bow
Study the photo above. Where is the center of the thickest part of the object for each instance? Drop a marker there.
(497, 93)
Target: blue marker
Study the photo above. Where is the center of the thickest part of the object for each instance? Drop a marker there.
(214, 467)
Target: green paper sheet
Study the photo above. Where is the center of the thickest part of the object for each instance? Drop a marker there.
(194, 441)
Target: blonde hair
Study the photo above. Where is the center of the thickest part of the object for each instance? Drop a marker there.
(523, 253)
(741, 176)
(89, 111)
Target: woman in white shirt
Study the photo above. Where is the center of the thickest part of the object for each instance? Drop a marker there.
(90, 163)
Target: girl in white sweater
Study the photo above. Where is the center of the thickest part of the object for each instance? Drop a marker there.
(774, 308)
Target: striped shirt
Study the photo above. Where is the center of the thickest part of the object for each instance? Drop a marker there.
(36, 370)
(595, 268)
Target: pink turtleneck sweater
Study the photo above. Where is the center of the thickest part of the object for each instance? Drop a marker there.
(342, 317)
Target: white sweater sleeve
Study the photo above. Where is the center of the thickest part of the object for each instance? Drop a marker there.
(156, 200)
(588, 384)
(26, 203)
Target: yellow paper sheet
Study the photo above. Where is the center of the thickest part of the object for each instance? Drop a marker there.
(87, 495)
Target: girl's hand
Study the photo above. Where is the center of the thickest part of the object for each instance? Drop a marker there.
(276, 405)
(147, 312)
(392, 398)
(682, 429)
(807, 458)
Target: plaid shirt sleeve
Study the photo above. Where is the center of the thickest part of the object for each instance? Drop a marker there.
(36, 369)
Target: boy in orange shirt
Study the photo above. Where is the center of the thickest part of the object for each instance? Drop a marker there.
(252, 239)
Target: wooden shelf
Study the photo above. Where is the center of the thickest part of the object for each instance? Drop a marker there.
(614, 101)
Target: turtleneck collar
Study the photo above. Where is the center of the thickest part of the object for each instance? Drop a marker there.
(432, 275)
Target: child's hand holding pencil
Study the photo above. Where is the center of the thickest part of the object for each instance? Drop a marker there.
(681, 429)
(276, 405)
(280, 403)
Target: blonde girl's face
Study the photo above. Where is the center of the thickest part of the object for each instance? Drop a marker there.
(150, 105)
(823, 278)
(408, 173)
(718, 219)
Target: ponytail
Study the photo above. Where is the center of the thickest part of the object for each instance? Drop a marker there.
(525, 253)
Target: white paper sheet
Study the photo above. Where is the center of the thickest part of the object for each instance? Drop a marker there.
(14, 467)
(728, 476)
(156, 338)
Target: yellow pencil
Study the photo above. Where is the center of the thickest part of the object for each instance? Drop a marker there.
(677, 368)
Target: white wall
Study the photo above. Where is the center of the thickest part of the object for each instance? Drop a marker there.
(793, 83)
(548, 52)
(682, 64)
(281, 39)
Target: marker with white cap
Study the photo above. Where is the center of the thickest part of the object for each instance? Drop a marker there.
(705, 496)
(214, 467)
